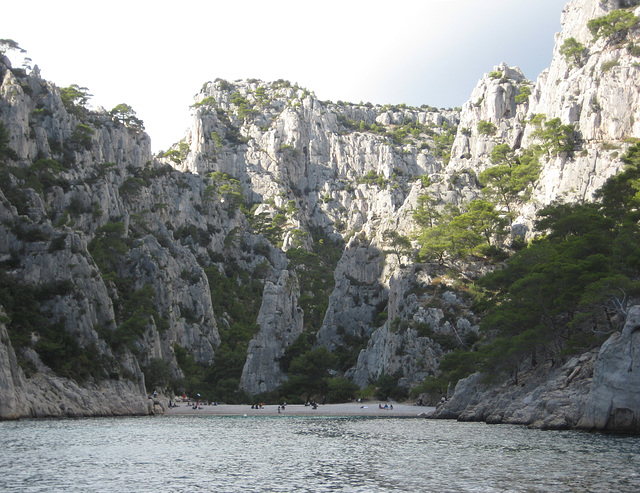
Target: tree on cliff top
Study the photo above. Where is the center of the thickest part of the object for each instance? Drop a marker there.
(8, 45)
(615, 25)
(125, 114)
(400, 245)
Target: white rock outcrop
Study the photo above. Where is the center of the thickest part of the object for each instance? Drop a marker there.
(280, 321)
(77, 196)
(130, 247)
(614, 400)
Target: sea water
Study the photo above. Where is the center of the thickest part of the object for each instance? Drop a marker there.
(308, 454)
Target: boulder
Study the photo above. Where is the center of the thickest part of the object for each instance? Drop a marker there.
(613, 403)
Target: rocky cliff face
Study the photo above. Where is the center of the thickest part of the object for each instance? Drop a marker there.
(584, 88)
(272, 220)
(596, 391)
(547, 398)
(84, 219)
(334, 168)
(125, 246)
(586, 93)
(613, 402)
(46, 394)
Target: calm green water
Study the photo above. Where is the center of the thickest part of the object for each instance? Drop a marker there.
(308, 454)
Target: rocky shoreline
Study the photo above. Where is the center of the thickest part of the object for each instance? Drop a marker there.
(599, 390)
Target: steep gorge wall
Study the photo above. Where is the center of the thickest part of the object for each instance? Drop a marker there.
(88, 218)
(321, 172)
(342, 176)
(598, 96)
(595, 96)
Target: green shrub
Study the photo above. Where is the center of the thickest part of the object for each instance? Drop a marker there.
(615, 24)
(555, 136)
(217, 140)
(125, 114)
(74, 99)
(372, 178)
(574, 52)
(227, 187)
(50, 165)
(500, 153)
(57, 243)
(634, 50)
(289, 149)
(444, 142)
(208, 101)
(131, 187)
(523, 95)
(179, 153)
(156, 374)
(340, 390)
(606, 66)
(433, 386)
(309, 376)
(486, 128)
(108, 246)
(31, 233)
(224, 85)
(387, 388)
(448, 342)
(42, 175)
(245, 108)
(82, 136)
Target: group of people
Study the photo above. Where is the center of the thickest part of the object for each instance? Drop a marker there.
(388, 407)
(193, 404)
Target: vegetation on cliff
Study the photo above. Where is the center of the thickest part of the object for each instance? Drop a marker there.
(564, 293)
(282, 186)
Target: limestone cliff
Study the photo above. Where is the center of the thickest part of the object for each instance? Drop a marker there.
(582, 89)
(596, 391)
(346, 172)
(273, 227)
(45, 394)
(89, 256)
(588, 88)
(586, 92)
(613, 402)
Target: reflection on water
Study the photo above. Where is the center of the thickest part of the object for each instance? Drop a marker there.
(314, 454)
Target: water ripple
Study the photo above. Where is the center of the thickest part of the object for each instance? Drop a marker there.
(308, 454)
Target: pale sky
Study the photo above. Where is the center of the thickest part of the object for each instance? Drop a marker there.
(156, 55)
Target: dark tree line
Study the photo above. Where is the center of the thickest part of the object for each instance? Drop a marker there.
(568, 289)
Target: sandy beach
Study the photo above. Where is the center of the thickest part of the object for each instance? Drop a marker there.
(347, 409)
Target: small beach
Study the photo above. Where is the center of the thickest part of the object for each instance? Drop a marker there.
(346, 409)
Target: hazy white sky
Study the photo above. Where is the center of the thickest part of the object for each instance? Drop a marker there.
(155, 55)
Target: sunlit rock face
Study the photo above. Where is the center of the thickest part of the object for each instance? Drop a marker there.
(132, 248)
